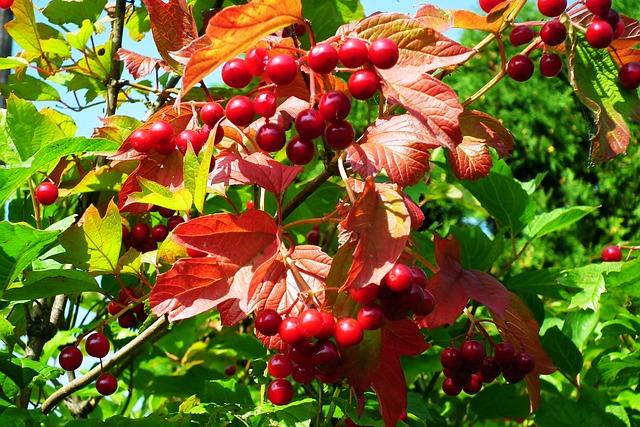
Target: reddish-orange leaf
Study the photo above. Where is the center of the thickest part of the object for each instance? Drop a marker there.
(183, 55)
(172, 26)
(398, 144)
(299, 89)
(139, 65)
(434, 17)
(234, 30)
(258, 168)
(416, 214)
(493, 22)
(380, 222)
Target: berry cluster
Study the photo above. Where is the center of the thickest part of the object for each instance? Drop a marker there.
(131, 315)
(144, 238)
(96, 345)
(467, 367)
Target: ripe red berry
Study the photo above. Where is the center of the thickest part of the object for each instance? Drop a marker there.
(46, 193)
(235, 74)
(280, 392)
(256, 60)
(450, 387)
(159, 232)
(353, 53)
(174, 221)
(309, 124)
(106, 384)
(598, 7)
(165, 149)
(301, 352)
(487, 5)
(313, 236)
(520, 68)
(126, 295)
(195, 253)
(412, 299)
(300, 151)
(619, 30)
(512, 376)
(334, 106)
(250, 204)
(328, 326)
(166, 212)
(384, 53)
(363, 84)
(629, 75)
(473, 352)
(270, 137)
(127, 320)
(419, 276)
(599, 34)
(140, 231)
(70, 358)
(550, 64)
(366, 294)
(211, 113)
(161, 133)
(399, 279)
(339, 135)
(97, 345)
(371, 317)
(330, 376)
(303, 374)
(113, 308)
(451, 358)
(282, 69)
(348, 332)
(520, 35)
(189, 136)
(325, 355)
(239, 110)
(322, 58)
(265, 104)
(611, 254)
(474, 385)
(504, 353)
(141, 140)
(490, 368)
(279, 366)
(230, 370)
(6, 4)
(552, 8)
(523, 362)
(268, 322)
(290, 332)
(553, 33)
(428, 304)
(612, 17)
(310, 322)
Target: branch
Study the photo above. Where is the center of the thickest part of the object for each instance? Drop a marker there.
(122, 354)
(113, 84)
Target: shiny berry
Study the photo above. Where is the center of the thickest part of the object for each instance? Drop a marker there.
(611, 254)
(127, 320)
(520, 68)
(239, 110)
(106, 384)
(6, 4)
(174, 221)
(189, 136)
(428, 304)
(366, 294)
(450, 387)
(113, 308)
(235, 74)
(324, 353)
(451, 358)
(313, 236)
(309, 123)
(265, 104)
(230, 370)
(166, 212)
(339, 135)
(384, 53)
(371, 317)
(282, 69)
(280, 392)
(300, 151)
(334, 106)
(619, 30)
(553, 33)
(353, 53)
(279, 366)
(97, 345)
(598, 7)
(328, 326)
(599, 34)
(612, 17)
(211, 113)
(303, 374)
(270, 137)
(487, 5)
(523, 362)
(399, 279)
(268, 322)
(322, 58)
(161, 133)
(474, 385)
(419, 276)
(348, 332)
(363, 84)
(629, 75)
(159, 232)
(256, 60)
(46, 193)
(504, 353)
(70, 358)
(140, 231)
(473, 352)
(550, 64)
(490, 368)
(552, 8)
(141, 140)
(520, 35)
(310, 322)
(513, 376)
(290, 332)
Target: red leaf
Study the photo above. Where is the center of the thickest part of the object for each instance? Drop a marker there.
(380, 223)
(398, 144)
(139, 65)
(258, 168)
(434, 17)
(183, 55)
(172, 26)
(416, 214)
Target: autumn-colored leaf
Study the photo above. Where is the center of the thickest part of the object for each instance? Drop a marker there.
(234, 30)
(415, 213)
(139, 65)
(452, 286)
(299, 89)
(284, 116)
(398, 144)
(380, 223)
(471, 159)
(433, 17)
(258, 168)
(493, 22)
(518, 326)
(183, 55)
(172, 26)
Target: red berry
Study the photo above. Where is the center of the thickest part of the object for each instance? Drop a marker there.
(106, 384)
(619, 30)
(487, 5)
(473, 352)
(325, 354)
(553, 33)
(46, 193)
(399, 279)
(366, 294)
(161, 133)
(195, 253)
(629, 75)
(250, 204)
(474, 385)
(256, 60)
(339, 135)
(611, 254)
(504, 353)
(6, 4)
(348, 332)
(159, 232)
(313, 236)
(520, 68)
(165, 149)
(282, 69)
(189, 136)
(428, 304)
(280, 392)
(371, 317)
(301, 352)
(300, 151)
(309, 124)
(490, 369)
(329, 377)
(328, 326)
(612, 17)
(290, 332)
(127, 320)
(303, 374)
(141, 140)
(97, 345)
(322, 58)
(166, 212)
(520, 35)
(235, 74)
(523, 362)
(384, 53)
(265, 104)
(211, 113)
(239, 110)
(550, 64)
(310, 322)
(450, 387)
(353, 53)
(393, 307)
(334, 106)
(113, 308)
(512, 376)
(599, 34)
(140, 231)
(70, 358)
(125, 232)
(230, 370)
(598, 7)
(451, 358)
(419, 276)
(363, 84)
(174, 221)
(270, 137)
(279, 366)
(552, 8)
(126, 295)
(268, 322)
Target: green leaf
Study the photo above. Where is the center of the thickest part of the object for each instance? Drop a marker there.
(11, 178)
(62, 12)
(29, 88)
(173, 420)
(48, 283)
(159, 195)
(227, 392)
(19, 245)
(579, 325)
(623, 324)
(196, 171)
(103, 179)
(8, 151)
(328, 15)
(7, 334)
(544, 282)
(555, 220)
(23, 28)
(616, 365)
(12, 62)
(94, 244)
(138, 24)
(80, 38)
(625, 281)
(65, 123)
(24, 372)
(479, 252)
(591, 280)
(512, 404)
(562, 351)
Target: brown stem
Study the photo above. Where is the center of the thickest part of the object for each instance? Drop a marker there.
(113, 84)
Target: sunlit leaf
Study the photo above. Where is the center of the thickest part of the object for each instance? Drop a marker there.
(494, 22)
(139, 65)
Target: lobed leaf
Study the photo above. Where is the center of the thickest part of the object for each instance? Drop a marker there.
(49, 283)
(139, 65)
(433, 17)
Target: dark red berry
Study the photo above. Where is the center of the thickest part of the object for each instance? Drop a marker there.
(140, 231)
(512, 376)
(371, 317)
(399, 279)
(230, 370)
(523, 362)
(280, 392)
(268, 322)
(301, 352)
(126, 295)
(393, 307)
(46, 193)
(428, 304)
(282, 69)
(329, 377)
(322, 58)
(328, 326)
(141, 140)
(125, 232)
(629, 75)
(310, 322)
(211, 113)
(473, 352)
(363, 84)
(366, 294)
(189, 136)
(325, 353)
(310, 124)
(161, 133)
(339, 135)
(474, 385)
(334, 106)
(113, 308)
(550, 64)
(97, 345)
(612, 17)
(413, 298)
(451, 358)
(552, 8)
(165, 212)
(265, 104)
(419, 276)
(303, 374)
(300, 151)
(520, 68)
(353, 53)
(504, 353)
(70, 358)
(449, 387)
(290, 331)
(384, 53)
(520, 35)
(270, 137)
(313, 236)
(279, 366)
(619, 30)
(235, 74)
(174, 221)
(256, 60)
(553, 33)
(239, 110)
(106, 384)
(165, 149)
(348, 332)
(159, 232)
(127, 320)
(599, 34)
(598, 7)
(490, 368)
